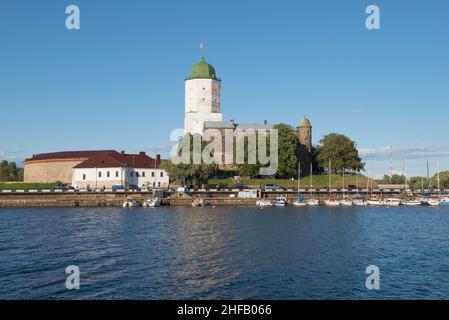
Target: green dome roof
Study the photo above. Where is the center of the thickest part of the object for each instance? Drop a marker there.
(203, 70)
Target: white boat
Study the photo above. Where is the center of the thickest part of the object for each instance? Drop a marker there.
(198, 202)
(299, 202)
(412, 203)
(332, 203)
(153, 202)
(313, 202)
(280, 201)
(375, 203)
(264, 203)
(393, 202)
(433, 203)
(346, 203)
(129, 203)
(359, 202)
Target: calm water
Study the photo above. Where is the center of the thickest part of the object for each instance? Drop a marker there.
(224, 253)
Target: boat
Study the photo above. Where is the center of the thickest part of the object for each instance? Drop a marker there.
(359, 201)
(129, 203)
(264, 202)
(433, 203)
(346, 203)
(332, 203)
(299, 202)
(153, 202)
(375, 203)
(444, 202)
(280, 201)
(198, 202)
(312, 202)
(393, 202)
(412, 203)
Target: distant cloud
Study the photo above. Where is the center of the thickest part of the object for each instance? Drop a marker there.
(384, 153)
(359, 110)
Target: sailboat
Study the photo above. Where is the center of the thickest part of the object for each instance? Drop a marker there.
(331, 202)
(346, 201)
(299, 200)
(311, 202)
(359, 200)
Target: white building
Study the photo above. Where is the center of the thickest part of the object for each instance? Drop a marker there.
(202, 97)
(104, 170)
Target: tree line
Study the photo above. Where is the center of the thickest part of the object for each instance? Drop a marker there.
(10, 172)
(339, 149)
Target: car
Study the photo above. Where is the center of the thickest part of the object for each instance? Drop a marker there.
(271, 187)
(133, 187)
(240, 186)
(117, 187)
(62, 186)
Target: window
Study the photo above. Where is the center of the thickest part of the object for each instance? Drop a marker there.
(158, 184)
(162, 174)
(99, 174)
(204, 89)
(152, 174)
(154, 184)
(137, 174)
(84, 176)
(108, 174)
(143, 173)
(116, 174)
(130, 173)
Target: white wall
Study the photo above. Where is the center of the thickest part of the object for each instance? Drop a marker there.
(202, 103)
(126, 176)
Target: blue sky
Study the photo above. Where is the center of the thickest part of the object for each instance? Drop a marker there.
(119, 81)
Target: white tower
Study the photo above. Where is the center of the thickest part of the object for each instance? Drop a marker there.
(202, 97)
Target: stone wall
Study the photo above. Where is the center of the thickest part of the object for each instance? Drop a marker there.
(47, 171)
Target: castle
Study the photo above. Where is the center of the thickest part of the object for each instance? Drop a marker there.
(203, 111)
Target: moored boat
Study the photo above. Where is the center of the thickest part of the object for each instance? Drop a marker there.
(444, 202)
(153, 202)
(198, 202)
(346, 203)
(412, 203)
(332, 203)
(264, 203)
(375, 203)
(313, 202)
(299, 202)
(280, 201)
(129, 203)
(393, 202)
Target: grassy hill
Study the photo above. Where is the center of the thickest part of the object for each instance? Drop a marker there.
(318, 181)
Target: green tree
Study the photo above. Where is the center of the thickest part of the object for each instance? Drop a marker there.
(10, 172)
(342, 152)
(288, 152)
(395, 179)
(195, 175)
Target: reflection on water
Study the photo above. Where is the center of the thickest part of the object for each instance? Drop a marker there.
(224, 252)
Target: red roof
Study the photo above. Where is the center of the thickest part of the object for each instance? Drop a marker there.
(114, 160)
(68, 155)
(102, 159)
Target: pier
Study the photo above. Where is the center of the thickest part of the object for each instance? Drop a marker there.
(58, 198)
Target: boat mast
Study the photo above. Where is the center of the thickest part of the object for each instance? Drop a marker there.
(330, 179)
(311, 179)
(438, 175)
(299, 175)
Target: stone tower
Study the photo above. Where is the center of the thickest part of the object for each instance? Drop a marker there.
(304, 133)
(202, 97)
